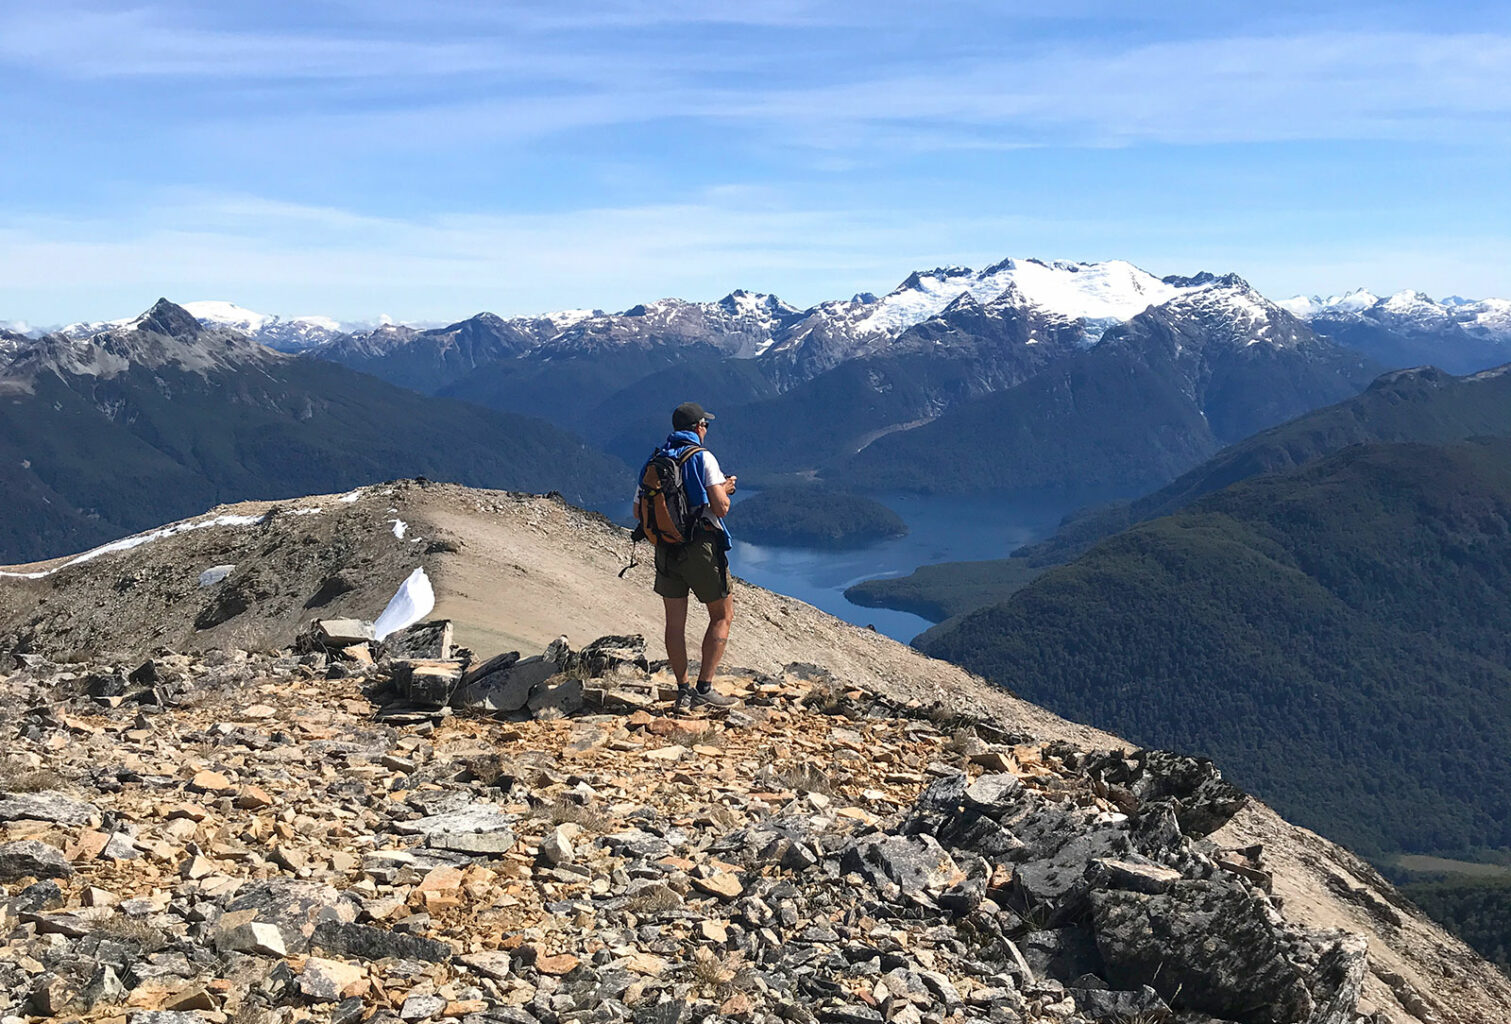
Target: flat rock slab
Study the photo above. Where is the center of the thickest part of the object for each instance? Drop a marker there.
(326, 981)
(47, 806)
(476, 818)
(482, 844)
(916, 863)
(369, 943)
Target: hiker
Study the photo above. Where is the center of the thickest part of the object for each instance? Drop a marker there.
(680, 505)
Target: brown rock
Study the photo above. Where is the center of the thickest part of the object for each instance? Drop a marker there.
(326, 981)
(189, 812)
(721, 884)
(87, 847)
(737, 1005)
(563, 963)
(253, 798)
(206, 781)
(197, 867)
(195, 997)
(441, 879)
(645, 963)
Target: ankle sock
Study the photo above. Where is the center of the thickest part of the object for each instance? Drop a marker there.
(704, 685)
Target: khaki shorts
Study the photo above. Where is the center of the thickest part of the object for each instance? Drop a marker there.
(698, 566)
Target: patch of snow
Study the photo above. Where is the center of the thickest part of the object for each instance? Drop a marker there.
(564, 318)
(136, 541)
(350, 496)
(414, 600)
(399, 526)
(1112, 291)
(1356, 301)
(306, 511)
(215, 574)
(228, 314)
(1300, 306)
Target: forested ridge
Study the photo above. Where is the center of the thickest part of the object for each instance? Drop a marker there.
(814, 516)
(1338, 638)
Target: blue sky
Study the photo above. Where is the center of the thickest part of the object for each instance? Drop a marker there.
(429, 160)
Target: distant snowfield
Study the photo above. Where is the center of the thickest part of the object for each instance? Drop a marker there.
(1115, 290)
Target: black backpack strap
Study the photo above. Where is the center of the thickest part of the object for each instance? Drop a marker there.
(694, 450)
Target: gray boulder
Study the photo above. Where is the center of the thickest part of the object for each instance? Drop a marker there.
(294, 908)
(1211, 947)
(503, 684)
(31, 858)
(916, 863)
(47, 806)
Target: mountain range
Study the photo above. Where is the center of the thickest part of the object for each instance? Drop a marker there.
(106, 433)
(1411, 329)
(1078, 380)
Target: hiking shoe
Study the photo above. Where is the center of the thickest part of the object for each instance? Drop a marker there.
(684, 699)
(712, 698)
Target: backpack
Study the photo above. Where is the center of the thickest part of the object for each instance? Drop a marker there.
(661, 507)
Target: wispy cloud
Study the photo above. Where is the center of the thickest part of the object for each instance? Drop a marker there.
(349, 264)
(294, 258)
(530, 70)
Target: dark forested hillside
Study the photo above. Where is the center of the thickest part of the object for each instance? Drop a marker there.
(1476, 910)
(814, 516)
(87, 458)
(1425, 405)
(1338, 637)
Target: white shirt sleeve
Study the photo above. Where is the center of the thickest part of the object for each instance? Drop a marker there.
(712, 475)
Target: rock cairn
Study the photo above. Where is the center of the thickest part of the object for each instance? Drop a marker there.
(326, 834)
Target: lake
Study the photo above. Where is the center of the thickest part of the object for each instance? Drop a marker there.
(940, 529)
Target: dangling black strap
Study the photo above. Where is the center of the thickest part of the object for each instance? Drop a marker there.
(633, 561)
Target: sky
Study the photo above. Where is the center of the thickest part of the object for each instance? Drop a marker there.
(427, 161)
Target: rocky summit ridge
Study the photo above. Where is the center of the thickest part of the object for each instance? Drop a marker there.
(302, 823)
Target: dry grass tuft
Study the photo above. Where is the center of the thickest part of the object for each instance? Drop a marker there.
(144, 936)
(804, 778)
(561, 811)
(654, 899)
(18, 778)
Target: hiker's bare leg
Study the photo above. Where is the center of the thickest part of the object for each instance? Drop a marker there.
(716, 636)
(676, 636)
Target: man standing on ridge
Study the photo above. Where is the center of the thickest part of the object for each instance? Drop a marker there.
(700, 561)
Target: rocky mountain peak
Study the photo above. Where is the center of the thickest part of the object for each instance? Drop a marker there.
(170, 319)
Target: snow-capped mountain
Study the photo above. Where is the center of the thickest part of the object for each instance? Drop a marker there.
(10, 344)
(1227, 311)
(1411, 328)
(22, 329)
(1408, 309)
(740, 325)
(1096, 294)
(165, 336)
(286, 334)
